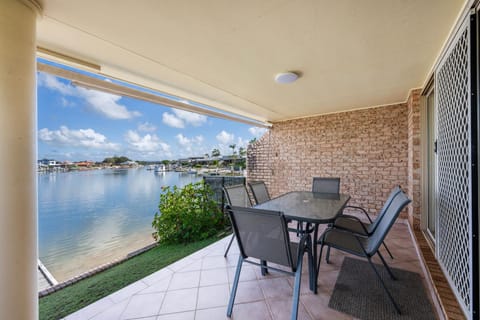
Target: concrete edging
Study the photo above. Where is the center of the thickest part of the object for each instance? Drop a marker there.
(93, 271)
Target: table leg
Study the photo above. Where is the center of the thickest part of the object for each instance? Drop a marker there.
(314, 248)
(264, 270)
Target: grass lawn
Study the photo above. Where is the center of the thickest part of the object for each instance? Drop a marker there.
(70, 299)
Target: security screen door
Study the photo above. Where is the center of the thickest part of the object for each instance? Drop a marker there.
(456, 179)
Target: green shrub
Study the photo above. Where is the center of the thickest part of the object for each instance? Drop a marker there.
(187, 214)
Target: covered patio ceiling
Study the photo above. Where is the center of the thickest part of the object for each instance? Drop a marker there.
(351, 54)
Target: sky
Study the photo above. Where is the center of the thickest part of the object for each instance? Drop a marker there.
(76, 124)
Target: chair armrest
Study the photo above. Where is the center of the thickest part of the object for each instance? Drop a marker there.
(350, 218)
(324, 234)
(362, 210)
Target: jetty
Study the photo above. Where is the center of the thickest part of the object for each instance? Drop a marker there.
(45, 278)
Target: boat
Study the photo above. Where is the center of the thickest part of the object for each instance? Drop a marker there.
(160, 168)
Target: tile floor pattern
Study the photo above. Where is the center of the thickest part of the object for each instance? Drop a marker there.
(198, 287)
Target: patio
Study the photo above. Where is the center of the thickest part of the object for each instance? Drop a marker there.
(379, 84)
(198, 287)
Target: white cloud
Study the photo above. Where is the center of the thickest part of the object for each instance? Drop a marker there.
(225, 138)
(172, 121)
(194, 119)
(150, 144)
(256, 131)
(52, 82)
(87, 138)
(100, 102)
(66, 102)
(107, 104)
(181, 118)
(146, 127)
(241, 143)
(189, 147)
(184, 141)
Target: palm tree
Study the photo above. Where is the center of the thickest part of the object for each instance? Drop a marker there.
(234, 155)
(233, 146)
(215, 153)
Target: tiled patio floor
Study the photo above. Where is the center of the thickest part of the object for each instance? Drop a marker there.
(198, 287)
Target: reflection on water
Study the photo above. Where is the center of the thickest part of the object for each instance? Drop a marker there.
(89, 218)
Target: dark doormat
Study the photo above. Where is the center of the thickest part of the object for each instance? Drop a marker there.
(358, 292)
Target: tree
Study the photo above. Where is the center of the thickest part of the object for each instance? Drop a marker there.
(233, 146)
(116, 160)
(242, 151)
(187, 214)
(166, 162)
(215, 153)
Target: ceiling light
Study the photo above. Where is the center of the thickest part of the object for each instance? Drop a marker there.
(286, 77)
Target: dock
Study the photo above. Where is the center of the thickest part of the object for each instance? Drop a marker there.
(45, 278)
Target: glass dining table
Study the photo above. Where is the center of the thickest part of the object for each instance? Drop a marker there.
(311, 208)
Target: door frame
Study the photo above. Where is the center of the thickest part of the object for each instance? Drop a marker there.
(424, 158)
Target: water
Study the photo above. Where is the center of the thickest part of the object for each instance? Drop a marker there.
(88, 218)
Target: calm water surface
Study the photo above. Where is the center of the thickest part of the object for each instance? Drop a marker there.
(88, 218)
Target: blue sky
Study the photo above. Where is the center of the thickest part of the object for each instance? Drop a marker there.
(77, 124)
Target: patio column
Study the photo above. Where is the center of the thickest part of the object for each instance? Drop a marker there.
(18, 205)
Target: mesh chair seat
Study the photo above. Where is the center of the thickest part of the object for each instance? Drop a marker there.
(326, 185)
(367, 246)
(355, 225)
(236, 195)
(263, 235)
(352, 224)
(345, 241)
(259, 191)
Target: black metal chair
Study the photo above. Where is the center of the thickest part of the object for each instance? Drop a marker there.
(236, 195)
(261, 195)
(259, 191)
(326, 185)
(367, 247)
(323, 185)
(332, 185)
(263, 235)
(355, 225)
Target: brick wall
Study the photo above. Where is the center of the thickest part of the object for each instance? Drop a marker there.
(367, 149)
(414, 173)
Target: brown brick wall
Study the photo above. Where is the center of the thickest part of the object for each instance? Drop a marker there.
(414, 172)
(367, 149)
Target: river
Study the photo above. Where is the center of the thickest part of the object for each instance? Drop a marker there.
(88, 218)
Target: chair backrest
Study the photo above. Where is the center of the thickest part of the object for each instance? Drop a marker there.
(237, 196)
(395, 191)
(262, 234)
(399, 202)
(326, 185)
(259, 191)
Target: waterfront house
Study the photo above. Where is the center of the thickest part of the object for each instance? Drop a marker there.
(48, 162)
(84, 164)
(387, 93)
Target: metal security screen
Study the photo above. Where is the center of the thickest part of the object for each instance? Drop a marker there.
(454, 189)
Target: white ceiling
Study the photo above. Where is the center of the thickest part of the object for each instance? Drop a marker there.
(352, 54)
